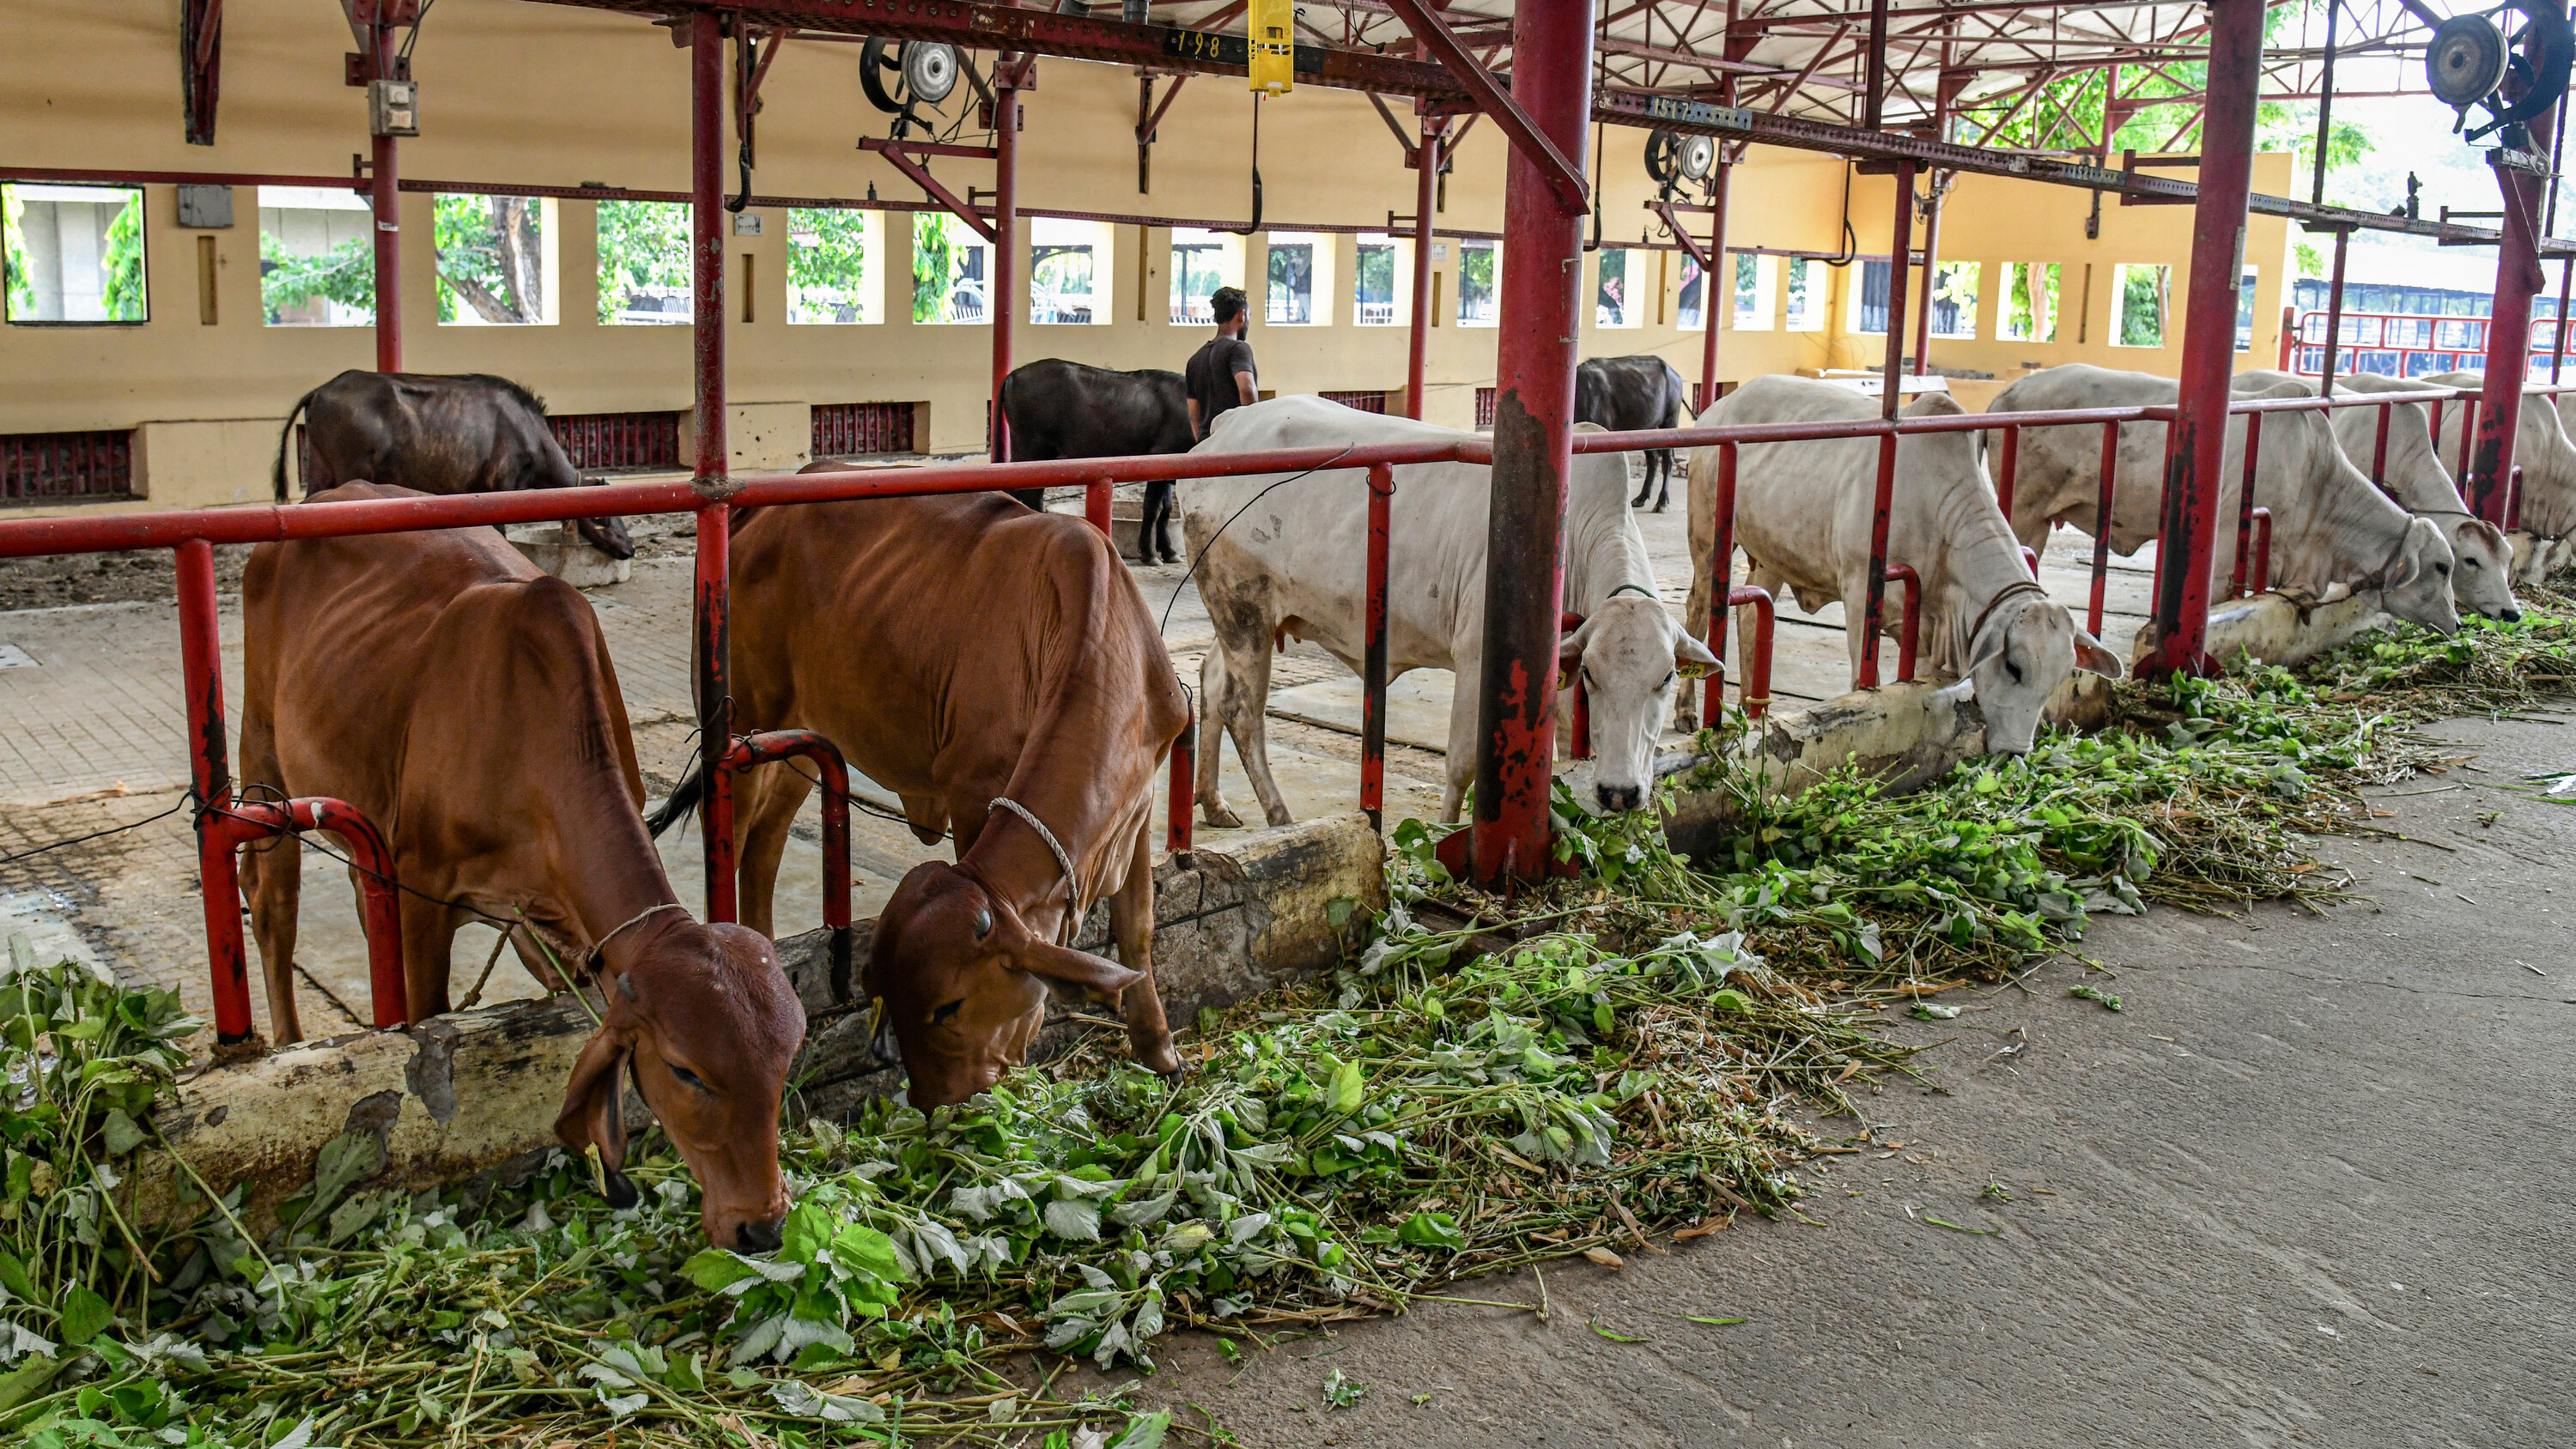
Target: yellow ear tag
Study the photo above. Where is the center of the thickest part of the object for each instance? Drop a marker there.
(1693, 671)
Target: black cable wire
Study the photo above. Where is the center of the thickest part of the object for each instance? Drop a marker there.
(185, 798)
(1192, 575)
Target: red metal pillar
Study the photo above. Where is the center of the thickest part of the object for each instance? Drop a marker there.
(1426, 189)
(1899, 270)
(1931, 261)
(2518, 281)
(2334, 313)
(1004, 303)
(1533, 450)
(2196, 450)
(707, 303)
(1715, 285)
(201, 669)
(1381, 486)
(385, 179)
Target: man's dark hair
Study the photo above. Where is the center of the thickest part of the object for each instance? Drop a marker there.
(1227, 304)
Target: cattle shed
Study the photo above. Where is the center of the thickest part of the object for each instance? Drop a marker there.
(716, 277)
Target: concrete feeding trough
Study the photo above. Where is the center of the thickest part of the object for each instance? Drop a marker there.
(561, 551)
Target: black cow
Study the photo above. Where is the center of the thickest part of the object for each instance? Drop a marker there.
(1060, 409)
(1627, 393)
(438, 434)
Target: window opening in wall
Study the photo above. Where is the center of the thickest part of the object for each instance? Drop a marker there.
(1382, 282)
(644, 273)
(1068, 271)
(2027, 311)
(830, 281)
(73, 253)
(2140, 299)
(1755, 276)
(1869, 299)
(1687, 315)
(496, 260)
(1299, 280)
(952, 267)
(1954, 299)
(1480, 271)
(2245, 311)
(1202, 261)
(317, 257)
(1806, 295)
(1614, 301)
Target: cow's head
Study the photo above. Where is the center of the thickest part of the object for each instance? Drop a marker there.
(1630, 658)
(965, 982)
(2416, 586)
(704, 1020)
(2482, 569)
(2026, 647)
(608, 535)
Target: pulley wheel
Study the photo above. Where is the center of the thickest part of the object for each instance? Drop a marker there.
(929, 70)
(1663, 158)
(2465, 61)
(1698, 157)
(873, 63)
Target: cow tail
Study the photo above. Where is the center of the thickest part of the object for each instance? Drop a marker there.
(684, 798)
(286, 435)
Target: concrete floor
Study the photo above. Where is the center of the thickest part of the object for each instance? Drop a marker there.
(2308, 1188)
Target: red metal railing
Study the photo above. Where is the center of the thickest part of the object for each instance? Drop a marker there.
(2443, 343)
(833, 776)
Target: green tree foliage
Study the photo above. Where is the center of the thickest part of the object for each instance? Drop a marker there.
(491, 257)
(123, 293)
(1377, 274)
(934, 264)
(2142, 306)
(2030, 302)
(827, 263)
(345, 274)
(20, 267)
(641, 244)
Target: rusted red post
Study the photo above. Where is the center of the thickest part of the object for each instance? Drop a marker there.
(715, 705)
(1567, 624)
(832, 775)
(2245, 497)
(2102, 529)
(1757, 650)
(2334, 312)
(1426, 196)
(1721, 567)
(2262, 549)
(1004, 306)
(1911, 635)
(1931, 280)
(1532, 450)
(1899, 269)
(1373, 665)
(201, 670)
(2378, 448)
(384, 182)
(2468, 440)
(707, 316)
(2513, 498)
(2195, 455)
(2010, 469)
(1178, 802)
(1095, 508)
(1716, 283)
(2518, 280)
(237, 823)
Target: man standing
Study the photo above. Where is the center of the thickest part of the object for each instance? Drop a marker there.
(1220, 376)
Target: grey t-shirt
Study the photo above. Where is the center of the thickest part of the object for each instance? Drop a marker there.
(1210, 377)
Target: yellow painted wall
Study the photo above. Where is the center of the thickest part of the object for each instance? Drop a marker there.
(547, 95)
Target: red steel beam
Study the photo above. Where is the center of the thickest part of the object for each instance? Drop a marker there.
(1002, 306)
(201, 36)
(1562, 177)
(1510, 838)
(921, 177)
(2196, 445)
(2518, 280)
(385, 186)
(1426, 196)
(710, 481)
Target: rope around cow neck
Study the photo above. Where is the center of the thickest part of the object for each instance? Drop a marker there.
(1072, 883)
(2018, 586)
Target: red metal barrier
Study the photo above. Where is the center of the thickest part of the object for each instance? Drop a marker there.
(833, 774)
(1567, 624)
(1721, 568)
(1757, 666)
(1373, 665)
(2513, 500)
(2245, 494)
(714, 696)
(2102, 530)
(2008, 472)
(235, 823)
(1912, 634)
(1095, 509)
(1180, 804)
(1874, 602)
(2262, 549)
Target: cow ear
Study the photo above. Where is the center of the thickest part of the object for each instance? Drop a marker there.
(1098, 975)
(2093, 658)
(593, 1114)
(1692, 658)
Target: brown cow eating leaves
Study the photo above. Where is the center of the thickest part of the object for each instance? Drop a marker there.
(998, 670)
(465, 703)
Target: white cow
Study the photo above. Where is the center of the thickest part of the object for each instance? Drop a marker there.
(2333, 533)
(1803, 516)
(2414, 475)
(2548, 462)
(1289, 559)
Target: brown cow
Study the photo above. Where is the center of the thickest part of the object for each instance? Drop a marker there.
(963, 651)
(465, 703)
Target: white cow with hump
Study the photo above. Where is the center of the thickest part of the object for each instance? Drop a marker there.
(2333, 534)
(1803, 515)
(2548, 462)
(1291, 561)
(2413, 474)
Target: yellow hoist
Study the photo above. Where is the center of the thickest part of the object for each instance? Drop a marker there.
(1271, 24)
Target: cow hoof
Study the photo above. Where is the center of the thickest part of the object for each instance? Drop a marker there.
(1220, 818)
(1279, 817)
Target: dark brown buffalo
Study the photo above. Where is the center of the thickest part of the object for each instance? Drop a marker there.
(438, 434)
(465, 703)
(1625, 394)
(961, 649)
(1060, 409)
